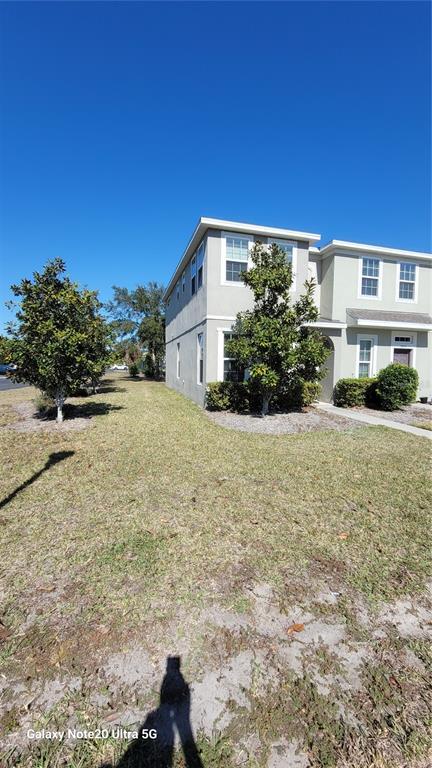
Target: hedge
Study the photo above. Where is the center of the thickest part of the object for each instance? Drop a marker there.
(351, 392)
(243, 397)
(396, 386)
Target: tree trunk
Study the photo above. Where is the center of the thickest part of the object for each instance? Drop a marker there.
(265, 405)
(59, 401)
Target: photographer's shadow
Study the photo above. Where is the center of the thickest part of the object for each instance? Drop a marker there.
(155, 745)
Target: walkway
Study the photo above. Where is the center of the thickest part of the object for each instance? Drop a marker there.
(376, 421)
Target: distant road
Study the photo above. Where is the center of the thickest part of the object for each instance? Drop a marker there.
(6, 383)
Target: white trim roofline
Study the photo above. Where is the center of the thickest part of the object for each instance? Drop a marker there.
(205, 223)
(398, 324)
(343, 245)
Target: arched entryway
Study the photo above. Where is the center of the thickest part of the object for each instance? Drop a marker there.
(327, 383)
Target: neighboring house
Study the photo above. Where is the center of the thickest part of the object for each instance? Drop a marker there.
(375, 304)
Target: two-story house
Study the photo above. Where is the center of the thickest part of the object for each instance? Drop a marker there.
(375, 304)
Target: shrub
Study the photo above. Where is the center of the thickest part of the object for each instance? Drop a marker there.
(245, 396)
(228, 396)
(396, 386)
(217, 396)
(350, 392)
(133, 369)
(44, 404)
(310, 391)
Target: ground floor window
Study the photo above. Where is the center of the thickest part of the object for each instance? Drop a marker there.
(232, 370)
(178, 359)
(200, 358)
(366, 352)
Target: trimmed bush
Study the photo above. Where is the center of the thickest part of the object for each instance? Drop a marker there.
(311, 391)
(217, 396)
(228, 396)
(353, 392)
(396, 386)
(244, 397)
(133, 369)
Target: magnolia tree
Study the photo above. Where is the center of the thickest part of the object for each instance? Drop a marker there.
(273, 340)
(59, 340)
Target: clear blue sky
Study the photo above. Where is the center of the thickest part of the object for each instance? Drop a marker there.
(122, 123)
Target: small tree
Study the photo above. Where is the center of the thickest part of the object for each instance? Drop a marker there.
(273, 340)
(59, 340)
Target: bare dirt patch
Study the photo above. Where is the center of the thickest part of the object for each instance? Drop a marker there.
(27, 420)
(296, 422)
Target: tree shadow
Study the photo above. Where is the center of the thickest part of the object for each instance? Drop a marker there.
(88, 410)
(53, 459)
(101, 390)
(155, 745)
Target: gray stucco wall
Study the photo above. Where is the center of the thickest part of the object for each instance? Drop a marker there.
(346, 288)
(215, 305)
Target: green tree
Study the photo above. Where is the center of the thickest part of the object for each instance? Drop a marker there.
(139, 317)
(273, 341)
(5, 350)
(59, 340)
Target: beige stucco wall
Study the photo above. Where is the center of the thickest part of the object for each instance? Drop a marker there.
(346, 287)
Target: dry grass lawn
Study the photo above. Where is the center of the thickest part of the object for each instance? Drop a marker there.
(151, 531)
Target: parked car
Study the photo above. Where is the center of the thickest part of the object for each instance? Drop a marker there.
(6, 368)
(119, 367)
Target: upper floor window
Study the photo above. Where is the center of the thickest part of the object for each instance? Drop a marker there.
(236, 256)
(407, 281)
(370, 277)
(290, 256)
(200, 260)
(183, 281)
(287, 248)
(178, 289)
(193, 275)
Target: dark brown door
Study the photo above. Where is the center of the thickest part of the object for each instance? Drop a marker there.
(402, 356)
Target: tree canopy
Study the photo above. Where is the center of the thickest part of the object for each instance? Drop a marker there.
(273, 341)
(139, 317)
(59, 340)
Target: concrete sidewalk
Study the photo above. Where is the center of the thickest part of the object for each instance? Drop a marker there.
(376, 421)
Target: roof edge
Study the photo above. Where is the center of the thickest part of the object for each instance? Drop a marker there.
(335, 245)
(205, 223)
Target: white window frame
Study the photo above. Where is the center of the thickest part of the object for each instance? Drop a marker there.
(374, 349)
(398, 281)
(294, 244)
(203, 246)
(193, 264)
(251, 242)
(178, 366)
(379, 278)
(200, 350)
(411, 345)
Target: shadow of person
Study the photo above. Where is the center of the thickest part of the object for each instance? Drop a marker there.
(154, 747)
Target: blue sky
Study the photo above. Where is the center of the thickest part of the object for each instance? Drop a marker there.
(121, 124)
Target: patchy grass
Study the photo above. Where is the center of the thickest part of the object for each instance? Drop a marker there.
(422, 425)
(153, 513)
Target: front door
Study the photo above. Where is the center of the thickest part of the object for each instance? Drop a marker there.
(402, 356)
